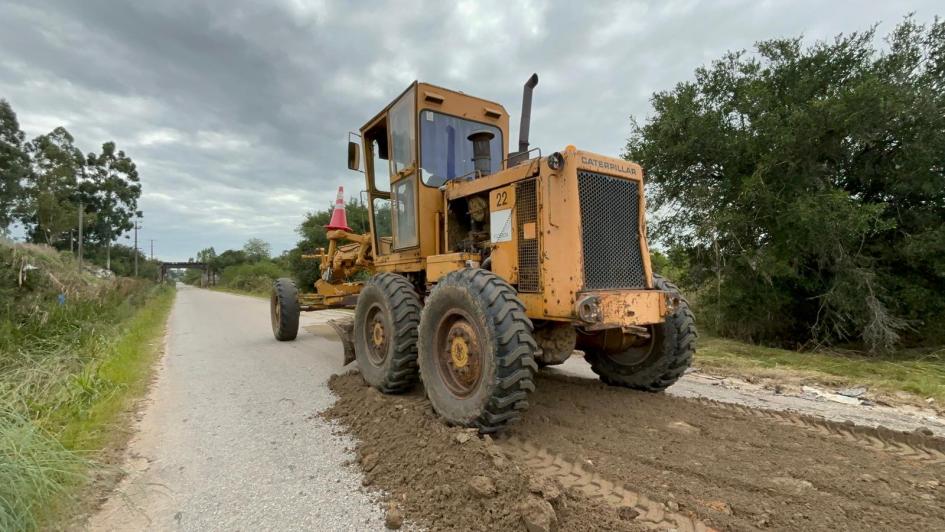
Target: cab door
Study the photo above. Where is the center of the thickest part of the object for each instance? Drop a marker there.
(402, 122)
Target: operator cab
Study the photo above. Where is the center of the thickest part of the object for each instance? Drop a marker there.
(454, 136)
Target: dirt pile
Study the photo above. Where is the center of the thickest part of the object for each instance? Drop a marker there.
(610, 458)
(448, 478)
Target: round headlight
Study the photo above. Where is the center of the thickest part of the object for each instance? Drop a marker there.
(555, 161)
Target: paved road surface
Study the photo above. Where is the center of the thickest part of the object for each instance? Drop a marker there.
(227, 441)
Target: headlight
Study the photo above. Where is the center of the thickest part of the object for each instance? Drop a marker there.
(555, 161)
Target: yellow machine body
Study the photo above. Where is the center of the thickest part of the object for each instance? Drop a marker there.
(566, 229)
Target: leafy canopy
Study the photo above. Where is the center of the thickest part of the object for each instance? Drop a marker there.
(804, 187)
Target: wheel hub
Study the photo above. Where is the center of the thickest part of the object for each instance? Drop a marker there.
(459, 352)
(377, 333)
(377, 337)
(459, 356)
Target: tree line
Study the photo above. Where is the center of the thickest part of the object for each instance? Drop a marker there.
(799, 192)
(45, 182)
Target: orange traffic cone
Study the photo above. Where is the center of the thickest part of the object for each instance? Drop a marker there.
(339, 219)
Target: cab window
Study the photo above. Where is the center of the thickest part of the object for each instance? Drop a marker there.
(403, 135)
(445, 149)
(404, 206)
(376, 140)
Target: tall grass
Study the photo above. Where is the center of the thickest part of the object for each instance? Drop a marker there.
(35, 468)
(74, 349)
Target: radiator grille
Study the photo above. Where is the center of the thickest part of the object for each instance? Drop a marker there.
(526, 211)
(610, 231)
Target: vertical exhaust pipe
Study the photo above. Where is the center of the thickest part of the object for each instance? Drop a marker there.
(520, 156)
(526, 113)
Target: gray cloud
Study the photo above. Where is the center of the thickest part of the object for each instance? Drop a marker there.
(236, 112)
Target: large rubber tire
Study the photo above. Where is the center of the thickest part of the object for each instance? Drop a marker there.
(388, 306)
(665, 359)
(494, 391)
(284, 309)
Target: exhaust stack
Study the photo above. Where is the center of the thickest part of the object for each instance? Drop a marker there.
(526, 113)
(522, 154)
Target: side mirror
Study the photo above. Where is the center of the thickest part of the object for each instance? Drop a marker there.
(354, 156)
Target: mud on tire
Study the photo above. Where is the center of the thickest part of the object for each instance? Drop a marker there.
(476, 350)
(284, 309)
(385, 333)
(659, 363)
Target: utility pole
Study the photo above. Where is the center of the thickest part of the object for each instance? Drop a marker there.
(136, 247)
(152, 249)
(81, 211)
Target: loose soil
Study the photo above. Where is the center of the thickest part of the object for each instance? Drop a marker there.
(606, 458)
(448, 478)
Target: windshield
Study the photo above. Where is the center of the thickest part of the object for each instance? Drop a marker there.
(446, 151)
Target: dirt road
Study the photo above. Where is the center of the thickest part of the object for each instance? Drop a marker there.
(230, 440)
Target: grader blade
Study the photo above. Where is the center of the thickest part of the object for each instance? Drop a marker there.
(345, 329)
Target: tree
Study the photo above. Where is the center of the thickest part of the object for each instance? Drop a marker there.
(207, 255)
(51, 191)
(256, 249)
(805, 187)
(230, 257)
(14, 163)
(111, 192)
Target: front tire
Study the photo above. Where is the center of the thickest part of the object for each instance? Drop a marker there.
(284, 309)
(651, 366)
(385, 333)
(476, 351)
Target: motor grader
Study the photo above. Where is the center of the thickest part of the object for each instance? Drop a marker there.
(483, 265)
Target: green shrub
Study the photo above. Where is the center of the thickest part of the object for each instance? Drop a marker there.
(256, 277)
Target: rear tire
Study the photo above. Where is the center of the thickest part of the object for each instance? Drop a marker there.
(654, 365)
(385, 333)
(477, 351)
(284, 309)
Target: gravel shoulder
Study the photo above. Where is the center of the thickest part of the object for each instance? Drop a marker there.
(810, 400)
(226, 439)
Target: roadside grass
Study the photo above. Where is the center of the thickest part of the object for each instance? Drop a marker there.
(121, 377)
(68, 373)
(35, 470)
(920, 372)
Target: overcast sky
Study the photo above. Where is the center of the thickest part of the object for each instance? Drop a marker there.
(236, 112)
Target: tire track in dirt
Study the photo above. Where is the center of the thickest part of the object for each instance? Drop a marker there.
(596, 457)
(912, 446)
(572, 476)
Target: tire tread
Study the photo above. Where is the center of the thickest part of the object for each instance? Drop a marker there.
(664, 371)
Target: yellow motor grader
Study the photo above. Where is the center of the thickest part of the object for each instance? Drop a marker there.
(483, 265)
